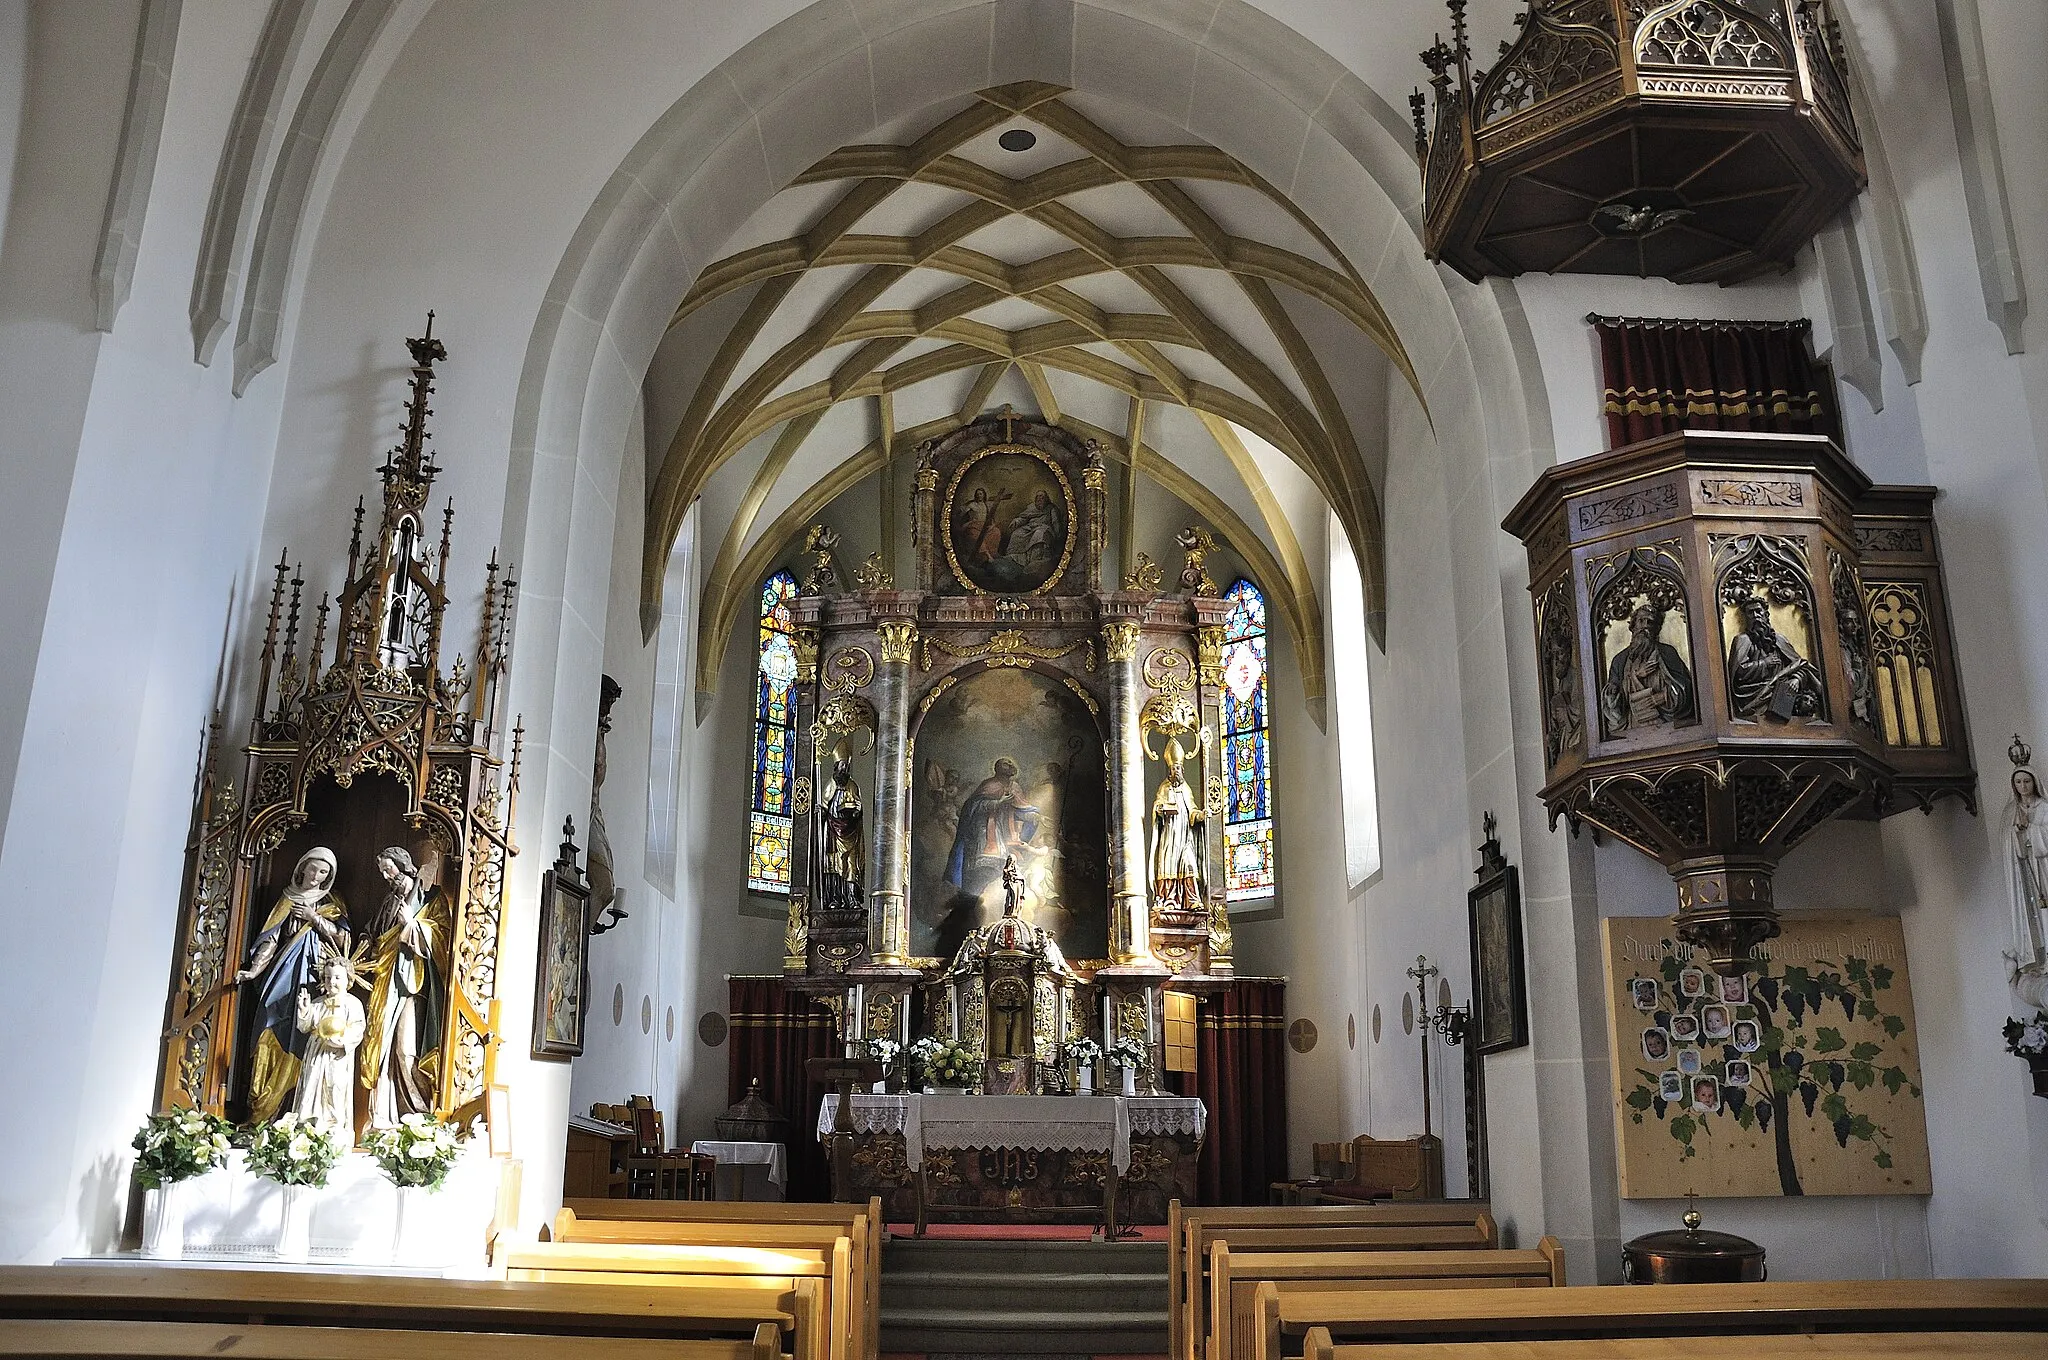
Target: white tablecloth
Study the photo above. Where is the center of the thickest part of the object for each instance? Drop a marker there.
(744, 1154)
(1040, 1123)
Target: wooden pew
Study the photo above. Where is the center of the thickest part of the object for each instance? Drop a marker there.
(865, 1289)
(305, 1303)
(1798, 1346)
(1186, 1225)
(818, 1279)
(93, 1339)
(1235, 1276)
(1473, 1316)
(861, 1222)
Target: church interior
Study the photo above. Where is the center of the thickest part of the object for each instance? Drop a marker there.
(858, 678)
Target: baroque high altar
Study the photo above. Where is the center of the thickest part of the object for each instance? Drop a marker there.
(1039, 856)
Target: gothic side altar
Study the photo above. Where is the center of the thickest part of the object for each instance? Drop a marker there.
(927, 1156)
(1007, 829)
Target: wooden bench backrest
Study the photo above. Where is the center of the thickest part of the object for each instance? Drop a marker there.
(862, 1221)
(1234, 1279)
(1186, 1225)
(1679, 1309)
(1806, 1346)
(90, 1339)
(766, 1268)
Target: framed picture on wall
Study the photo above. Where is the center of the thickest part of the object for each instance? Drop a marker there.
(1500, 983)
(561, 980)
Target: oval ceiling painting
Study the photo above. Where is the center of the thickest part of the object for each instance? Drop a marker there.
(1009, 517)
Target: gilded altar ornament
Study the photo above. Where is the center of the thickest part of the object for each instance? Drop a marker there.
(1169, 671)
(872, 575)
(1197, 542)
(800, 795)
(898, 637)
(796, 934)
(1120, 640)
(1220, 940)
(806, 656)
(1209, 655)
(821, 542)
(850, 668)
(1005, 647)
(1144, 575)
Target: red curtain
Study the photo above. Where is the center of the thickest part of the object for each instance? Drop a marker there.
(1663, 376)
(1241, 1075)
(775, 1032)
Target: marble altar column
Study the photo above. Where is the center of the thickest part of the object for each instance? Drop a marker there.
(889, 869)
(1130, 932)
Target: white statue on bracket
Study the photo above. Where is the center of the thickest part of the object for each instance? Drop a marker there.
(2026, 823)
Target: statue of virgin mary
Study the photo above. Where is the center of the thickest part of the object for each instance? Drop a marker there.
(2026, 819)
(308, 924)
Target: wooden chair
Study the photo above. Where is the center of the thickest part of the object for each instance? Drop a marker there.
(654, 1171)
(1662, 1321)
(1235, 1276)
(1189, 1228)
(861, 1222)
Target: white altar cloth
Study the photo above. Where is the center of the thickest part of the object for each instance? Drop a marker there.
(744, 1154)
(1040, 1123)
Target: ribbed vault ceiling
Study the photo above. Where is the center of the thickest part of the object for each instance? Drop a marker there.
(1112, 269)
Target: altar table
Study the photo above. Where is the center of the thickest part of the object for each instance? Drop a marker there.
(1021, 1157)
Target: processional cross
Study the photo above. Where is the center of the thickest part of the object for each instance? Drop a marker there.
(1422, 972)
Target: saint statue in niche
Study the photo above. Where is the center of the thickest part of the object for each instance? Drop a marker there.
(1009, 1017)
(1648, 682)
(308, 923)
(1176, 845)
(1767, 678)
(408, 941)
(845, 847)
(332, 1022)
(2026, 815)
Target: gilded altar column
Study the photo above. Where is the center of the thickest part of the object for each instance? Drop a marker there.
(888, 906)
(1130, 940)
(1215, 866)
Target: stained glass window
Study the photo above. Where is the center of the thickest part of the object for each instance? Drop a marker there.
(1247, 753)
(769, 828)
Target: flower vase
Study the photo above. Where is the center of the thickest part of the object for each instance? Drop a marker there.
(1084, 1074)
(1130, 1080)
(412, 1231)
(295, 1224)
(881, 1088)
(163, 1222)
(2037, 1064)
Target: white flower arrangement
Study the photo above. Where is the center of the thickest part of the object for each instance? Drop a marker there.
(419, 1152)
(2027, 1038)
(1086, 1052)
(949, 1064)
(1128, 1052)
(884, 1051)
(294, 1150)
(178, 1145)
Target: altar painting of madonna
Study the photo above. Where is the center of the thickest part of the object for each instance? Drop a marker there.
(1008, 763)
(1009, 522)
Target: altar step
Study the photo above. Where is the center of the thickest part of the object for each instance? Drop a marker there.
(994, 1298)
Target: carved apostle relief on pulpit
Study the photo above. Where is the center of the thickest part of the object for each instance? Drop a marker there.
(1645, 650)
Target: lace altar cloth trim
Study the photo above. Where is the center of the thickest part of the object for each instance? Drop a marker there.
(1038, 1123)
